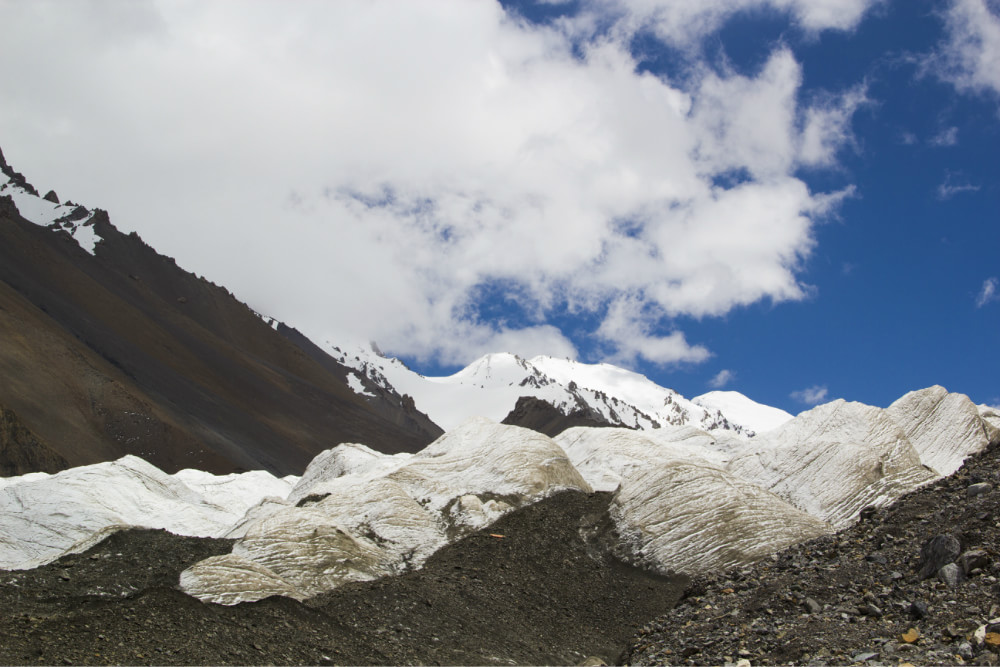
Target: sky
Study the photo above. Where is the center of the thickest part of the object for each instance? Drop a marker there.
(794, 199)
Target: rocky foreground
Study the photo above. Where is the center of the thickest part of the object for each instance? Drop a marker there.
(915, 582)
(540, 586)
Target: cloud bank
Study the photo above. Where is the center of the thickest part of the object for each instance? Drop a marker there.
(443, 177)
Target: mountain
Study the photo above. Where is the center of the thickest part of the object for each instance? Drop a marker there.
(589, 394)
(108, 349)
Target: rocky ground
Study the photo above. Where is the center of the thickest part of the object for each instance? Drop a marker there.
(539, 587)
(916, 583)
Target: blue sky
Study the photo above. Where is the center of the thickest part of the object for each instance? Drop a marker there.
(898, 275)
(794, 199)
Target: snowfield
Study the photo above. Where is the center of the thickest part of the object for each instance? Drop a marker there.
(490, 386)
(685, 499)
(45, 213)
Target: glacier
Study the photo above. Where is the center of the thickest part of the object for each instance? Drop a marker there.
(685, 499)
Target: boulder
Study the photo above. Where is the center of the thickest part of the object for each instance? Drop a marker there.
(937, 552)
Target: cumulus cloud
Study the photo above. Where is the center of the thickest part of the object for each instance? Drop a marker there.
(630, 332)
(722, 378)
(372, 170)
(969, 57)
(988, 292)
(811, 396)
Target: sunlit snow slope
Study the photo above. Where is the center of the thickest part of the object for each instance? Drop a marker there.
(490, 386)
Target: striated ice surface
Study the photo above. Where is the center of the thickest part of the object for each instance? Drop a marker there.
(944, 428)
(685, 498)
(690, 517)
(358, 514)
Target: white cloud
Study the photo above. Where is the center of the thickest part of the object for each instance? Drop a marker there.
(811, 396)
(722, 378)
(969, 58)
(370, 169)
(949, 188)
(684, 23)
(946, 137)
(627, 327)
(988, 293)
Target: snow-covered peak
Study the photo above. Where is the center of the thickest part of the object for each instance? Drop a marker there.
(46, 211)
(743, 410)
(496, 369)
(490, 386)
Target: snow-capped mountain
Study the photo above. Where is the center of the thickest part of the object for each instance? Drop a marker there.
(490, 386)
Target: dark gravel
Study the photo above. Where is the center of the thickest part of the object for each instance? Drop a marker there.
(859, 596)
(548, 592)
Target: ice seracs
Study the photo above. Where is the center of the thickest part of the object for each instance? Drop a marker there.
(360, 515)
(690, 516)
(44, 517)
(837, 458)
(943, 427)
(685, 498)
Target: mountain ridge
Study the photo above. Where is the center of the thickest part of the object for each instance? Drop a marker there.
(110, 349)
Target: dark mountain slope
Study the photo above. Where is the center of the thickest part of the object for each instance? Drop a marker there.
(124, 352)
(538, 415)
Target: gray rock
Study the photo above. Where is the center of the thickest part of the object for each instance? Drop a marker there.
(918, 609)
(877, 558)
(812, 606)
(979, 489)
(964, 649)
(872, 611)
(937, 552)
(972, 559)
(951, 574)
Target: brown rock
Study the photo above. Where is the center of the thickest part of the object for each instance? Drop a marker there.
(910, 636)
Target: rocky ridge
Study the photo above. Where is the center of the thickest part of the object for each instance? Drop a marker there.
(108, 349)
